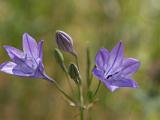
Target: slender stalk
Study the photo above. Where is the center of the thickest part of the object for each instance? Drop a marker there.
(88, 62)
(68, 79)
(90, 114)
(95, 93)
(62, 91)
(76, 58)
(80, 91)
(81, 101)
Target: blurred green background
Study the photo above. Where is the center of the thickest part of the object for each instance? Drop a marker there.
(94, 24)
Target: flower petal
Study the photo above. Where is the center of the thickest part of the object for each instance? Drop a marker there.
(102, 58)
(98, 73)
(115, 83)
(30, 46)
(23, 70)
(130, 66)
(111, 87)
(116, 58)
(14, 69)
(40, 44)
(7, 67)
(12, 52)
(40, 73)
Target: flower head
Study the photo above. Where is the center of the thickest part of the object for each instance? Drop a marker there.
(64, 42)
(114, 70)
(27, 63)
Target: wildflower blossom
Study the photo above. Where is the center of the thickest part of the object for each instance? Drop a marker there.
(26, 63)
(114, 70)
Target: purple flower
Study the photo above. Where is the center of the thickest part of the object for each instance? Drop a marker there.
(64, 42)
(114, 70)
(27, 63)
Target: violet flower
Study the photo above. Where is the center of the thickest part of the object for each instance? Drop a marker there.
(114, 70)
(26, 63)
(64, 42)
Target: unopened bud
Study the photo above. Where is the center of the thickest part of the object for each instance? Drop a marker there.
(64, 42)
(74, 73)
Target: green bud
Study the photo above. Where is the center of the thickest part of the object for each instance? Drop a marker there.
(74, 73)
(59, 56)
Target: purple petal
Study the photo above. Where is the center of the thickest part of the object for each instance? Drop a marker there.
(98, 73)
(111, 87)
(40, 73)
(31, 62)
(7, 67)
(130, 66)
(30, 46)
(102, 58)
(23, 70)
(116, 58)
(16, 55)
(12, 52)
(14, 69)
(115, 83)
(40, 44)
(40, 65)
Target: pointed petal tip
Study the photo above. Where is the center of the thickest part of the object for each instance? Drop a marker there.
(135, 85)
(41, 42)
(5, 46)
(120, 43)
(57, 31)
(2, 65)
(102, 49)
(25, 34)
(113, 88)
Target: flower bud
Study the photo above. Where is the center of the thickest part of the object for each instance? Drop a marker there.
(59, 56)
(64, 42)
(74, 73)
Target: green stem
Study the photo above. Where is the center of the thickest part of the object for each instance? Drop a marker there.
(81, 101)
(99, 83)
(77, 61)
(61, 90)
(68, 79)
(88, 62)
(90, 114)
(80, 91)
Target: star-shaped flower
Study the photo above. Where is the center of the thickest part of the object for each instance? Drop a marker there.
(114, 70)
(26, 63)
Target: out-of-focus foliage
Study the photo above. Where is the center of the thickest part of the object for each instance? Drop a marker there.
(93, 23)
